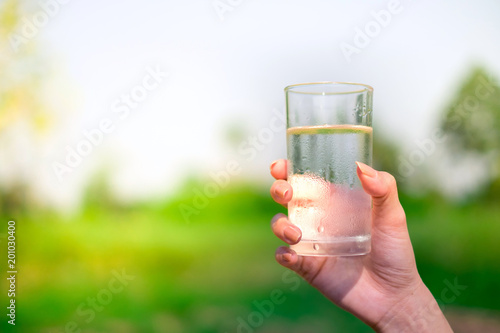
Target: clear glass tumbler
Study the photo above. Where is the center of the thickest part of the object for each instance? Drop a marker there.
(329, 128)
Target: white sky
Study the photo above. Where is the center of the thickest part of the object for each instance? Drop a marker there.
(233, 70)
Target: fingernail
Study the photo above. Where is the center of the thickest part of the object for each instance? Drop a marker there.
(287, 257)
(279, 192)
(366, 170)
(273, 164)
(291, 235)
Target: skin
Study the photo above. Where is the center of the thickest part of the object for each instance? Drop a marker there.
(382, 288)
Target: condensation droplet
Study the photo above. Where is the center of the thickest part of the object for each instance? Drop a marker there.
(316, 247)
(321, 229)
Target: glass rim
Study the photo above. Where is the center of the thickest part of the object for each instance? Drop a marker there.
(361, 88)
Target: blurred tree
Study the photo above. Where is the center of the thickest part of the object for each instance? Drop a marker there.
(24, 115)
(472, 125)
(385, 153)
(22, 68)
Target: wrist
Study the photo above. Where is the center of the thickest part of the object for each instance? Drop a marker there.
(417, 312)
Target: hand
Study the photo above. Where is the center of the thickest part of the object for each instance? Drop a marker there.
(382, 288)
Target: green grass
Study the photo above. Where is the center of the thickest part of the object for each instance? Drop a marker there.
(458, 243)
(211, 273)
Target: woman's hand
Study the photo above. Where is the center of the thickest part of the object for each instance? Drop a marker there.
(382, 288)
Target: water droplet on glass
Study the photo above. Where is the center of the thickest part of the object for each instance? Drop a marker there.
(316, 247)
(321, 229)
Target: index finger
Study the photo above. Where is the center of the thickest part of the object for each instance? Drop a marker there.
(279, 169)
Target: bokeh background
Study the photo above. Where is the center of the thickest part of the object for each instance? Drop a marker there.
(136, 138)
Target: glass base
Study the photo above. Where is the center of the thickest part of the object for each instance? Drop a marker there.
(345, 246)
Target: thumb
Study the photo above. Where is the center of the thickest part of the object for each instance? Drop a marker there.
(387, 212)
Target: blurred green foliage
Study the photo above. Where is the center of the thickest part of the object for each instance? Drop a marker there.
(473, 118)
(209, 274)
(26, 115)
(472, 124)
(385, 153)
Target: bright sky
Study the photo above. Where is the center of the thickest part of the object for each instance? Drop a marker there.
(229, 71)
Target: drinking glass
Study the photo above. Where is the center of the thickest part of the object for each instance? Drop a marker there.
(329, 128)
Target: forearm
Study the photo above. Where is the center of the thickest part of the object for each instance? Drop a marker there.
(419, 312)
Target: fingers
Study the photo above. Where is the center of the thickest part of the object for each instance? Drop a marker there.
(286, 257)
(387, 211)
(281, 192)
(290, 234)
(285, 230)
(305, 266)
(279, 169)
